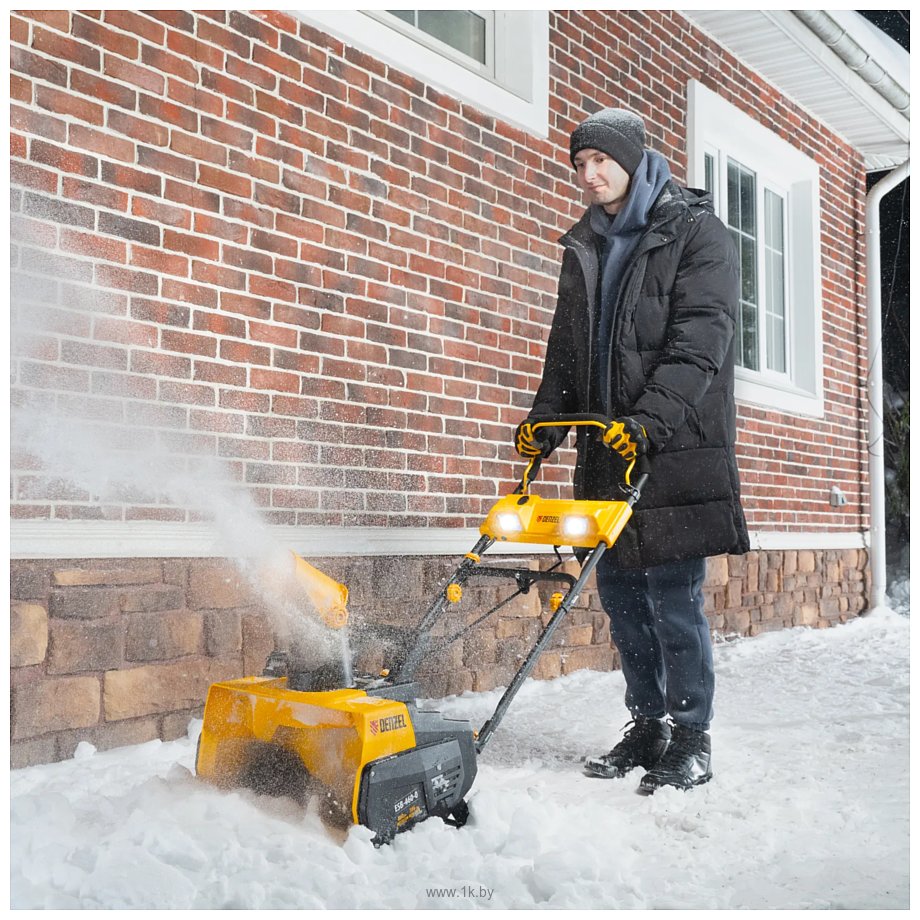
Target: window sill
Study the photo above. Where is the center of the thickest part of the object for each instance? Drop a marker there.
(756, 392)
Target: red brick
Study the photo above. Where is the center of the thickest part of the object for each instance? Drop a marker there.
(244, 353)
(160, 364)
(220, 373)
(186, 393)
(232, 135)
(246, 259)
(251, 75)
(31, 177)
(198, 148)
(208, 225)
(277, 290)
(141, 77)
(199, 52)
(122, 279)
(162, 262)
(91, 244)
(59, 46)
(217, 35)
(248, 306)
(98, 35)
(124, 331)
(228, 88)
(161, 213)
(19, 30)
(169, 112)
(192, 196)
(192, 245)
(219, 324)
(137, 24)
(126, 177)
(227, 182)
(104, 90)
(251, 119)
(166, 314)
(138, 129)
(20, 89)
(114, 148)
(31, 122)
(178, 19)
(274, 380)
(188, 343)
(265, 170)
(63, 103)
(41, 68)
(248, 25)
(190, 293)
(218, 275)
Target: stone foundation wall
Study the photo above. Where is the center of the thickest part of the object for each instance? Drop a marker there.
(118, 652)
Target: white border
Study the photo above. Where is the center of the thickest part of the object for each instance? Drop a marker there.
(387, 44)
(165, 540)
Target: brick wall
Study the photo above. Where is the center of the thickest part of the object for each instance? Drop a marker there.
(277, 250)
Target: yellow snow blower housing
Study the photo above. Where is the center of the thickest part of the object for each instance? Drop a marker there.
(333, 733)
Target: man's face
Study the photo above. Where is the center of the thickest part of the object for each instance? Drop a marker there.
(602, 178)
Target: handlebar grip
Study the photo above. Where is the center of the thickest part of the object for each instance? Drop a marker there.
(567, 420)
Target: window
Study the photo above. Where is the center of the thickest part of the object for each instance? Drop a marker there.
(766, 193)
(498, 60)
(469, 32)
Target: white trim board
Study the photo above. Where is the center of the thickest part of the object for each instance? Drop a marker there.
(163, 540)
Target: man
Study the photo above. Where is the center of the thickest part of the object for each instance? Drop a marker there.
(643, 334)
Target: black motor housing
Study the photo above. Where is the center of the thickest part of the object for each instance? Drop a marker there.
(429, 780)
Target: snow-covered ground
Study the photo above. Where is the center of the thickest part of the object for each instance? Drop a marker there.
(808, 807)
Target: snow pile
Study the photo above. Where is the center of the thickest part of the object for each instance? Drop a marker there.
(808, 807)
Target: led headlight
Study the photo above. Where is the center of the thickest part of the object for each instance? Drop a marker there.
(575, 525)
(509, 523)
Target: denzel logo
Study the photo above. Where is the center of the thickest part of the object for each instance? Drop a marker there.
(548, 518)
(388, 724)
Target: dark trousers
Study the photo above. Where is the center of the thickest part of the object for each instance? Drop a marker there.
(662, 635)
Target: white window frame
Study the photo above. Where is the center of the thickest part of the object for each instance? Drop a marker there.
(717, 128)
(519, 91)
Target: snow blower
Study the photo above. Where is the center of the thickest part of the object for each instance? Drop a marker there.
(377, 758)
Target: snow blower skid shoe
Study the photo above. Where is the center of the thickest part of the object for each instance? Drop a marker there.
(374, 756)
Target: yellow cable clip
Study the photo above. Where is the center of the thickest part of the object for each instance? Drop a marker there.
(454, 592)
(555, 602)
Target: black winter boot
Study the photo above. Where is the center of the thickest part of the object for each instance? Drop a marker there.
(685, 764)
(642, 746)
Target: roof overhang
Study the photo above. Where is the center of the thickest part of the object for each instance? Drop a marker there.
(792, 57)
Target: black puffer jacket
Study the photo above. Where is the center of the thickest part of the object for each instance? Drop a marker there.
(669, 365)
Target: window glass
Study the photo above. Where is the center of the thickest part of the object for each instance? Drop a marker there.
(742, 224)
(462, 30)
(774, 276)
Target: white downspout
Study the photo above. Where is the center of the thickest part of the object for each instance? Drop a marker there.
(876, 396)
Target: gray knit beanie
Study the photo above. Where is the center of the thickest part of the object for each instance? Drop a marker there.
(617, 132)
